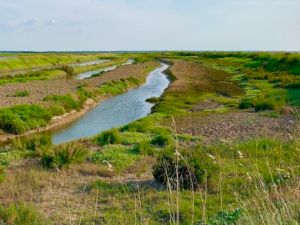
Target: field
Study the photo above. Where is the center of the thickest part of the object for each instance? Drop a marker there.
(221, 145)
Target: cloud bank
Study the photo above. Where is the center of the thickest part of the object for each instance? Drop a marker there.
(149, 25)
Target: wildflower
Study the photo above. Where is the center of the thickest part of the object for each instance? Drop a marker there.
(240, 154)
(211, 156)
(225, 141)
(110, 167)
(249, 177)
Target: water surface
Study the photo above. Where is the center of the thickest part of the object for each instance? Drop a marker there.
(89, 74)
(116, 111)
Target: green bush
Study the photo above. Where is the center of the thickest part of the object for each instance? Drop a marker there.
(56, 110)
(20, 214)
(66, 101)
(144, 148)
(190, 172)
(63, 155)
(226, 218)
(32, 143)
(21, 94)
(21, 118)
(161, 140)
(108, 137)
(246, 104)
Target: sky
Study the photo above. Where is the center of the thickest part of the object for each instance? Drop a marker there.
(113, 25)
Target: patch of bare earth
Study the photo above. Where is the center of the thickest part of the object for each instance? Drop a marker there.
(237, 125)
(38, 90)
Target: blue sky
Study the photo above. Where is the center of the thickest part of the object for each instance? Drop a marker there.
(43, 25)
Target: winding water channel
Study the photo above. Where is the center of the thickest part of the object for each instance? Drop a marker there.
(89, 74)
(116, 111)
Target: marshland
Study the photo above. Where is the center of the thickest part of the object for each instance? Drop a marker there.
(170, 138)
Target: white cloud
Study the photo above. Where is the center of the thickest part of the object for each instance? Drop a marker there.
(155, 24)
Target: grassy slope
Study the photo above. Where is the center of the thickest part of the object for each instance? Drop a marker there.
(115, 186)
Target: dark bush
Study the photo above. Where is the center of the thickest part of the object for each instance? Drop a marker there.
(161, 140)
(190, 172)
(262, 106)
(246, 104)
(108, 137)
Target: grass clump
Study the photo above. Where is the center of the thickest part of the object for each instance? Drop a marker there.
(108, 138)
(63, 155)
(116, 157)
(118, 87)
(161, 140)
(21, 118)
(68, 70)
(20, 214)
(65, 101)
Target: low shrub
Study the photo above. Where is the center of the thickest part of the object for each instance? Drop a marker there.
(68, 70)
(246, 104)
(161, 140)
(108, 137)
(56, 110)
(144, 148)
(32, 143)
(265, 105)
(21, 214)
(21, 118)
(63, 155)
(190, 172)
(66, 101)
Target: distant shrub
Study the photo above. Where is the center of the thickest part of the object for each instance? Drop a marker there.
(63, 156)
(21, 118)
(20, 214)
(66, 101)
(68, 70)
(161, 140)
(21, 93)
(108, 137)
(153, 100)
